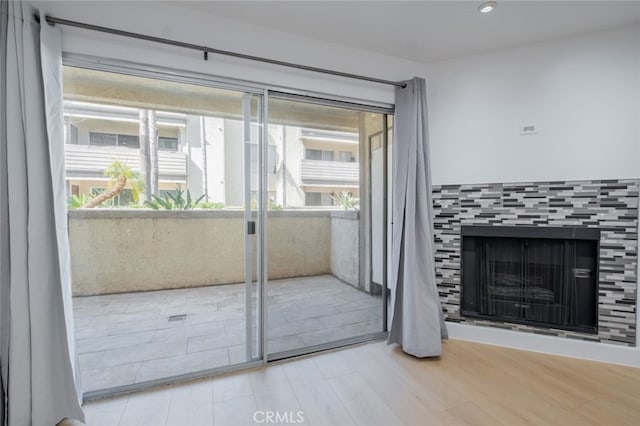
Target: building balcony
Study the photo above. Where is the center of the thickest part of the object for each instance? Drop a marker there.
(329, 173)
(89, 162)
(156, 293)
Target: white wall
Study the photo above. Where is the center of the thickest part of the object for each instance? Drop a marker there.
(294, 152)
(583, 93)
(195, 156)
(158, 19)
(234, 171)
(214, 130)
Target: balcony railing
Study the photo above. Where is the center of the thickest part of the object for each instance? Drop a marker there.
(329, 172)
(201, 248)
(83, 161)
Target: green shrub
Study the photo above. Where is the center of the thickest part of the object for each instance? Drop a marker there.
(77, 201)
(273, 206)
(210, 205)
(178, 200)
(345, 200)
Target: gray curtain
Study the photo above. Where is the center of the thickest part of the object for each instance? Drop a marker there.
(35, 356)
(4, 208)
(418, 322)
(51, 61)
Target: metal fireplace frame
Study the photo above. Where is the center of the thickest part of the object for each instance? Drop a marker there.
(531, 232)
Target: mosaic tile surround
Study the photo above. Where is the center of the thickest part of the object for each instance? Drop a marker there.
(610, 205)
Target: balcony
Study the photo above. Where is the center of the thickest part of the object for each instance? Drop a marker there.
(156, 293)
(84, 161)
(329, 173)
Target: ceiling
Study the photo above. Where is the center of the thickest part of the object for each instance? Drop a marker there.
(427, 31)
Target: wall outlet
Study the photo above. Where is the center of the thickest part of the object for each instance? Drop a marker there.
(529, 129)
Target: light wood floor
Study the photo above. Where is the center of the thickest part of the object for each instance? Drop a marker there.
(375, 384)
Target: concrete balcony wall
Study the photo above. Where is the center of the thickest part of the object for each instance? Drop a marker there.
(345, 253)
(121, 251)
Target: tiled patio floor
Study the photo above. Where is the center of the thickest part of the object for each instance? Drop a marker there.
(123, 339)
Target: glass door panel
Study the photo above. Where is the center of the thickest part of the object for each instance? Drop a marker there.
(254, 223)
(381, 209)
(166, 279)
(320, 292)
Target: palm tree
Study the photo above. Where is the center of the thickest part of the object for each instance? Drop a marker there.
(148, 153)
(119, 175)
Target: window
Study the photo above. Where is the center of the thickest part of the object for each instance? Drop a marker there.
(167, 144)
(318, 154)
(70, 134)
(347, 157)
(103, 139)
(318, 199)
(123, 199)
(312, 198)
(112, 139)
(130, 141)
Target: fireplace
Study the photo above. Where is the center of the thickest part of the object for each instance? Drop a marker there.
(541, 276)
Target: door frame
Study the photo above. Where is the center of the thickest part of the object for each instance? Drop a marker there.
(365, 230)
(264, 92)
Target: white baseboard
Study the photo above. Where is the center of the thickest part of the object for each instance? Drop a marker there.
(594, 351)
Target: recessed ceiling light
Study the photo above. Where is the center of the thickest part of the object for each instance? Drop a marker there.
(487, 7)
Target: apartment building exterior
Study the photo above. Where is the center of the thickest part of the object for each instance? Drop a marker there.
(204, 154)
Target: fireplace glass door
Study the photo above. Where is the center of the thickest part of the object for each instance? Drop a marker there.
(542, 281)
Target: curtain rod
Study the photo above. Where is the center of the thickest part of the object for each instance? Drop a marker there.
(206, 50)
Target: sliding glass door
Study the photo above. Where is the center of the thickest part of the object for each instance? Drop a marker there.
(166, 268)
(246, 229)
(320, 291)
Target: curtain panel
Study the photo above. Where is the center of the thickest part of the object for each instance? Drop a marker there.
(418, 322)
(4, 209)
(35, 344)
